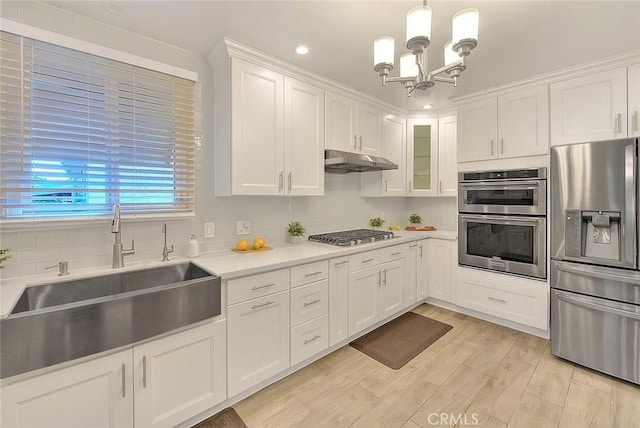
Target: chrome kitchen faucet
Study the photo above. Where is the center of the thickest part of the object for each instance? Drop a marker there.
(165, 251)
(118, 251)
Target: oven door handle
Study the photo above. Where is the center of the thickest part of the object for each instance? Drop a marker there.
(506, 184)
(518, 221)
(567, 298)
(593, 272)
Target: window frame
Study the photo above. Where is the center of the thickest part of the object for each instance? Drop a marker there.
(20, 29)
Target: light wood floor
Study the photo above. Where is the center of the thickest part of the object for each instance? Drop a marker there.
(478, 374)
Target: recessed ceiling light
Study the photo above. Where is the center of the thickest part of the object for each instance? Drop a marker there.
(302, 50)
(427, 106)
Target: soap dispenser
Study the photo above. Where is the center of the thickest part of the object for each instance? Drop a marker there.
(194, 247)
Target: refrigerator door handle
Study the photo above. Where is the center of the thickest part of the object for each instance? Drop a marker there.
(631, 177)
(571, 299)
(594, 272)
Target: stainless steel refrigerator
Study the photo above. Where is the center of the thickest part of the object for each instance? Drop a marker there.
(595, 278)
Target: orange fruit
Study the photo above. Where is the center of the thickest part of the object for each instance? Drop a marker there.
(398, 227)
(242, 245)
(259, 242)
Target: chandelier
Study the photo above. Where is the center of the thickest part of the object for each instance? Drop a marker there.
(414, 73)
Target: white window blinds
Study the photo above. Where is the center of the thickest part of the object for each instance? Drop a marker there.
(81, 132)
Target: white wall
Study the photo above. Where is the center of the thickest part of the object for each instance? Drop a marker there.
(91, 245)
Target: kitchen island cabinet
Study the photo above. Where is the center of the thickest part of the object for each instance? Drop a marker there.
(159, 383)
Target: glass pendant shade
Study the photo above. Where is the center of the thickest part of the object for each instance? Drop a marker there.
(408, 66)
(450, 56)
(465, 25)
(419, 22)
(383, 50)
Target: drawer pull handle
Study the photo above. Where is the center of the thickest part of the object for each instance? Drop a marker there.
(315, 337)
(313, 274)
(271, 284)
(312, 302)
(367, 261)
(413, 246)
(267, 303)
(344, 262)
(124, 393)
(396, 254)
(493, 299)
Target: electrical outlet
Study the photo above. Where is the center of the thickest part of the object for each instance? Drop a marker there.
(209, 230)
(243, 227)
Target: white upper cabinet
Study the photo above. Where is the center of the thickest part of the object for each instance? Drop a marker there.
(303, 138)
(523, 123)
(509, 126)
(369, 129)
(257, 130)
(422, 157)
(589, 108)
(633, 87)
(352, 126)
(272, 141)
(391, 182)
(447, 156)
(477, 130)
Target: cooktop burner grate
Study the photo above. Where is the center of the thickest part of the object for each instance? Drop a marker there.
(348, 238)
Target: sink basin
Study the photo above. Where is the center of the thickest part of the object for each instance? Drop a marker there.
(61, 321)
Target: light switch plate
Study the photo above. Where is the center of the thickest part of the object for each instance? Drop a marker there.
(243, 227)
(209, 229)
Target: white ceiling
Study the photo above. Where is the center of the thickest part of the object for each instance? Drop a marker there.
(517, 39)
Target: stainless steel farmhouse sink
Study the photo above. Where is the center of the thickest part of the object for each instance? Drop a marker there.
(61, 321)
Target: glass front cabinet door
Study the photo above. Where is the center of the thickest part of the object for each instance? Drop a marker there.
(422, 157)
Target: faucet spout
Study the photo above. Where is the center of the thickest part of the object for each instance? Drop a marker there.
(115, 223)
(118, 250)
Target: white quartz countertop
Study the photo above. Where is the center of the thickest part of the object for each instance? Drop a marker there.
(226, 264)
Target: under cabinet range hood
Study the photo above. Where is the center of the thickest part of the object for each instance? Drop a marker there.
(339, 162)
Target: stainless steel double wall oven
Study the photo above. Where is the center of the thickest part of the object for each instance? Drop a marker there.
(502, 221)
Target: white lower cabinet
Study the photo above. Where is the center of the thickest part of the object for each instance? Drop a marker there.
(376, 292)
(412, 274)
(514, 299)
(157, 384)
(439, 261)
(97, 393)
(422, 271)
(257, 340)
(338, 299)
(309, 338)
(179, 376)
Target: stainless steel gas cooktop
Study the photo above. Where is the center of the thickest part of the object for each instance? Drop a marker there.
(347, 238)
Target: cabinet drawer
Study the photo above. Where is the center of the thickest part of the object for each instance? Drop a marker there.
(251, 287)
(522, 304)
(311, 272)
(309, 338)
(364, 260)
(393, 253)
(309, 302)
